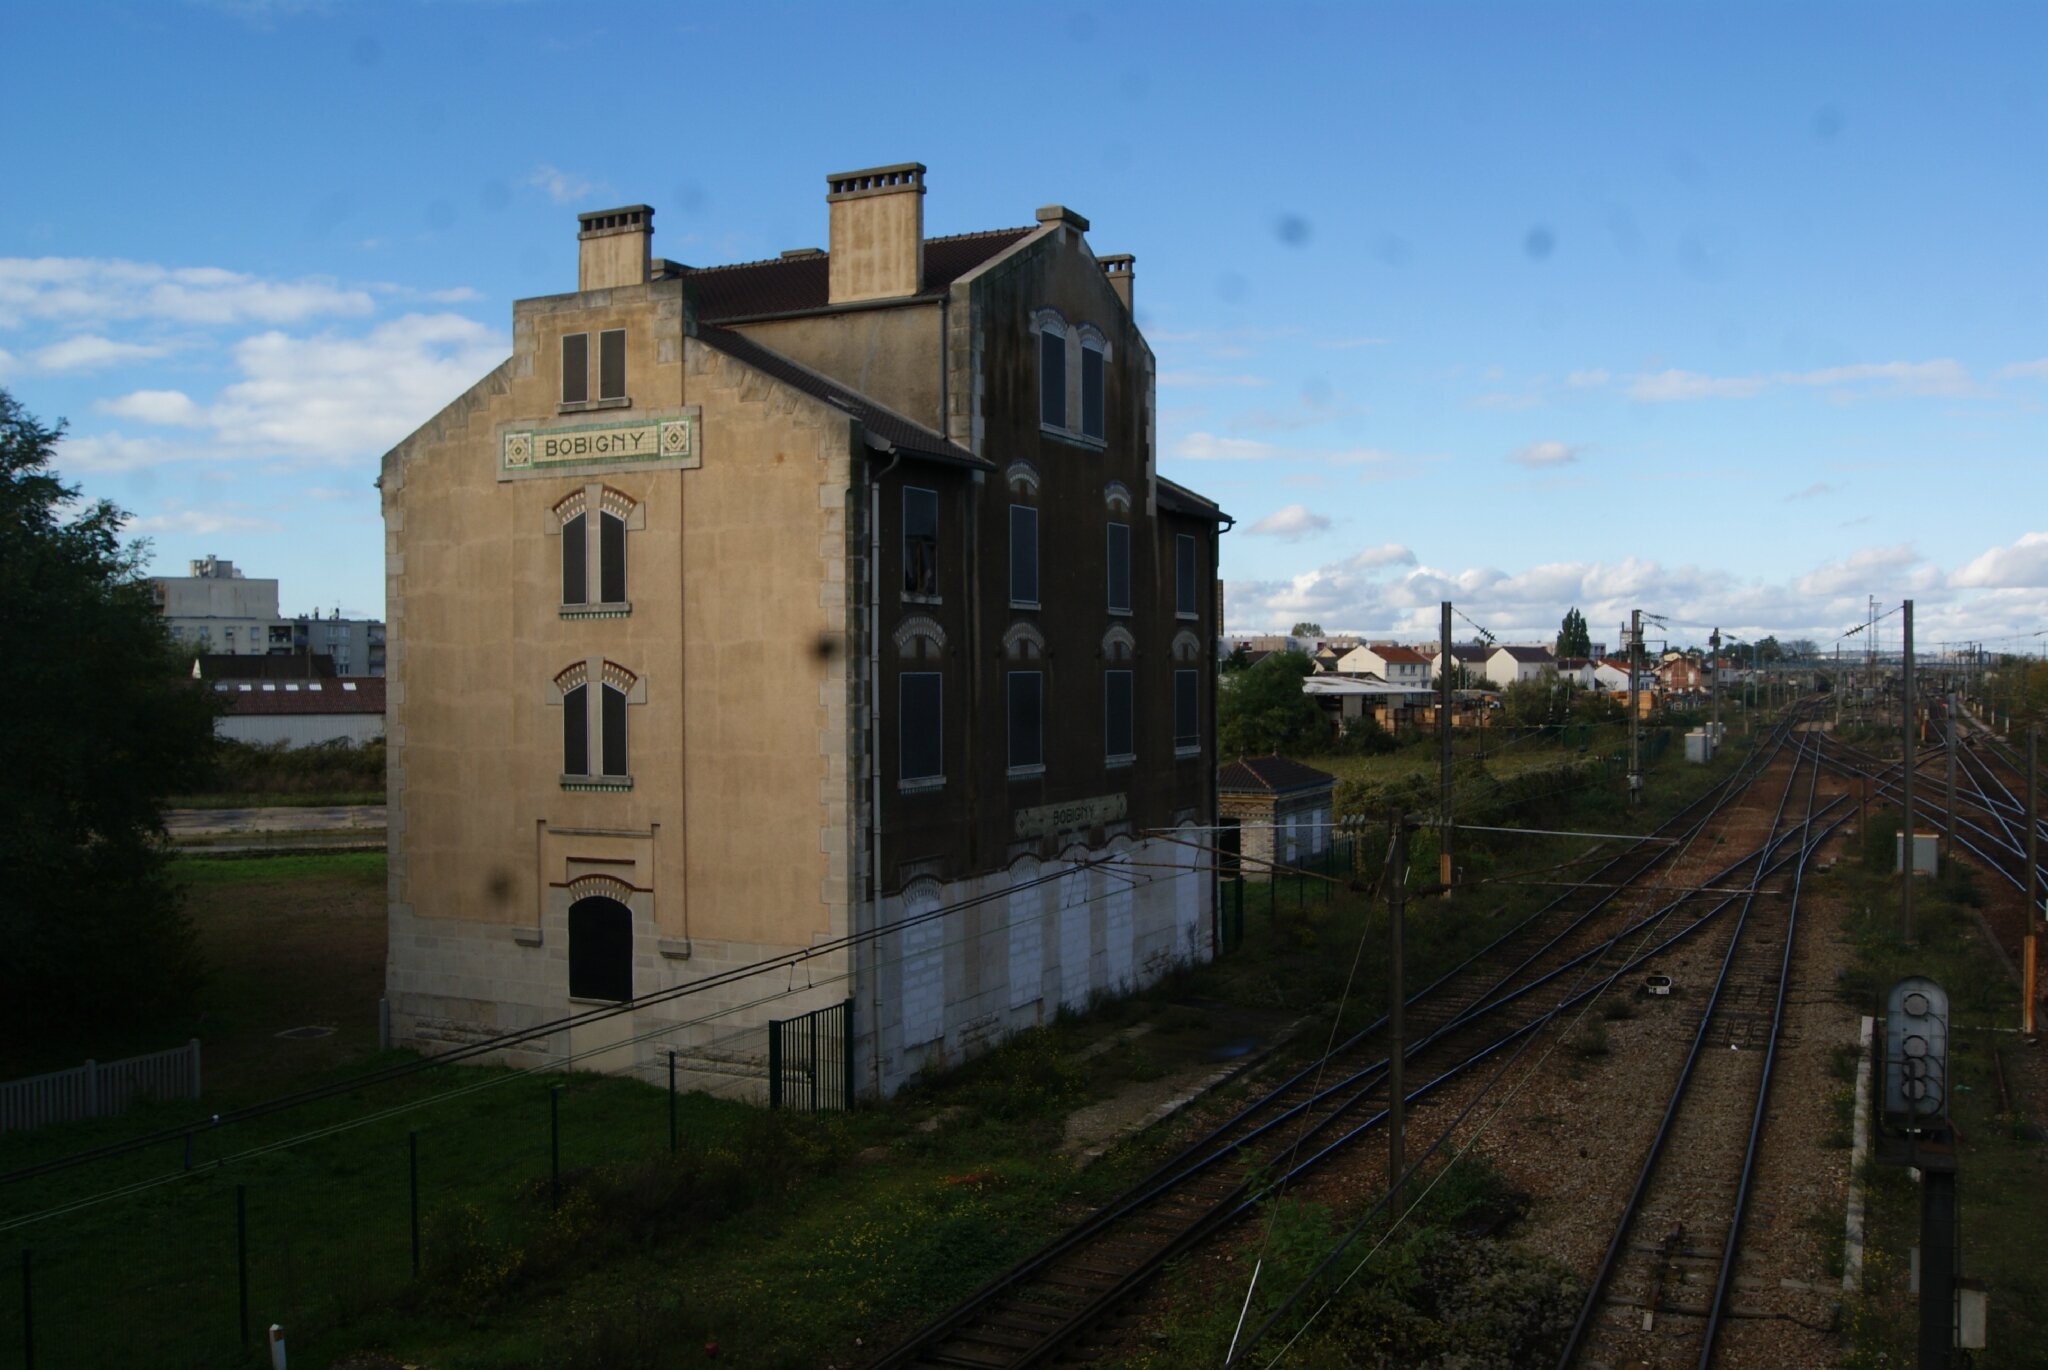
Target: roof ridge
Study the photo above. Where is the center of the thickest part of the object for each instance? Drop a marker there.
(826, 252)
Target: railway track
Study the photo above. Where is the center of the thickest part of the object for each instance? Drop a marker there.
(1047, 1308)
(1660, 1294)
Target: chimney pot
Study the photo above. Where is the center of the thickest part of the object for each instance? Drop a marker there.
(612, 247)
(1060, 214)
(1117, 268)
(877, 232)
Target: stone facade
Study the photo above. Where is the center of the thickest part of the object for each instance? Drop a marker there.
(1283, 812)
(746, 438)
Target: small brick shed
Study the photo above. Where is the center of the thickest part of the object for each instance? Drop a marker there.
(1283, 810)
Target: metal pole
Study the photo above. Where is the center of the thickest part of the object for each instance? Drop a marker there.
(1635, 708)
(1906, 717)
(1714, 681)
(672, 1134)
(1443, 743)
(242, 1260)
(28, 1314)
(1397, 883)
(412, 1165)
(2029, 944)
(1950, 822)
(555, 1145)
(1937, 1269)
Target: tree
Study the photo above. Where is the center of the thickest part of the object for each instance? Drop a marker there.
(1572, 638)
(1461, 679)
(1262, 709)
(1533, 703)
(1305, 629)
(1240, 658)
(93, 940)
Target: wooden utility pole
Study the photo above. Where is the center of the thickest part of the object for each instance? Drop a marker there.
(1397, 991)
(1443, 742)
(1907, 731)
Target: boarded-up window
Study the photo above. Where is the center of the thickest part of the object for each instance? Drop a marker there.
(575, 568)
(920, 541)
(600, 949)
(575, 368)
(1186, 723)
(611, 559)
(611, 364)
(613, 727)
(1118, 743)
(576, 731)
(1119, 554)
(1027, 719)
(1091, 392)
(1184, 574)
(920, 720)
(1052, 379)
(1023, 554)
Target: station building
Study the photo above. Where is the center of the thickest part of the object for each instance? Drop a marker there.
(830, 602)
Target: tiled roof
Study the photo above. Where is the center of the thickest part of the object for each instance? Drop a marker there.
(1527, 654)
(890, 428)
(1271, 775)
(802, 285)
(298, 666)
(1461, 651)
(346, 695)
(1406, 656)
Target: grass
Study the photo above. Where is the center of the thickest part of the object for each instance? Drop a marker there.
(787, 1241)
(2000, 1177)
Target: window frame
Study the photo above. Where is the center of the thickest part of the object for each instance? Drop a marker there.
(597, 715)
(1187, 742)
(1021, 601)
(1052, 379)
(930, 594)
(1091, 349)
(596, 552)
(1111, 559)
(580, 372)
(611, 347)
(1018, 769)
(905, 781)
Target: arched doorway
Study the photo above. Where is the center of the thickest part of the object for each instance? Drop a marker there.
(600, 949)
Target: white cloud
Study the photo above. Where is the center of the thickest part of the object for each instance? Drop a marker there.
(1663, 386)
(1386, 554)
(118, 452)
(1203, 380)
(1869, 569)
(1544, 454)
(1291, 523)
(200, 521)
(563, 187)
(1587, 380)
(1210, 447)
(2022, 565)
(90, 352)
(94, 289)
(1813, 491)
(2034, 370)
(172, 408)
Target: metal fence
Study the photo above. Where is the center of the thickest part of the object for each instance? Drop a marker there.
(810, 1060)
(99, 1089)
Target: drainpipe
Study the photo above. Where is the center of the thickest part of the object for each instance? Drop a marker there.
(1215, 803)
(874, 760)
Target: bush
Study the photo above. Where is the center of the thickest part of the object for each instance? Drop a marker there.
(274, 768)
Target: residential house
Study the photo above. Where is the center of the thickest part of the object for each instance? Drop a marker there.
(1507, 666)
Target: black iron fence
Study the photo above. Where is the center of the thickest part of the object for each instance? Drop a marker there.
(810, 1060)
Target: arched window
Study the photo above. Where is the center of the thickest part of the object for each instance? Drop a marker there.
(594, 522)
(595, 754)
(600, 949)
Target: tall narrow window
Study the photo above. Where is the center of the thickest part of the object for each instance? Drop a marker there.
(1184, 574)
(612, 728)
(1091, 391)
(1187, 731)
(1052, 378)
(576, 731)
(611, 558)
(575, 368)
(920, 541)
(611, 364)
(1118, 740)
(1027, 722)
(920, 718)
(575, 567)
(1119, 552)
(1023, 556)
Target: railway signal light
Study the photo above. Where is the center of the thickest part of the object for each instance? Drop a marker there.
(1916, 1054)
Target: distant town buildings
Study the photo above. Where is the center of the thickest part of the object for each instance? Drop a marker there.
(217, 609)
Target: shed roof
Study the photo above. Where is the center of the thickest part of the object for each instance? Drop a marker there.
(1271, 775)
(343, 695)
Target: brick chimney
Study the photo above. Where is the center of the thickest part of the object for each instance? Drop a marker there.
(612, 247)
(877, 242)
(1118, 269)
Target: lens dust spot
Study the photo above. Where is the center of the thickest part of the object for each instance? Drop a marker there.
(1538, 243)
(1292, 229)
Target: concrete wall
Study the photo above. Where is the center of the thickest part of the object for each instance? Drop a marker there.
(300, 730)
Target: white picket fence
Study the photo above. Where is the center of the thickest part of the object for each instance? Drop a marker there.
(99, 1090)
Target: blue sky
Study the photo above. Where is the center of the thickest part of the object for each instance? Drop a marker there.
(1737, 314)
